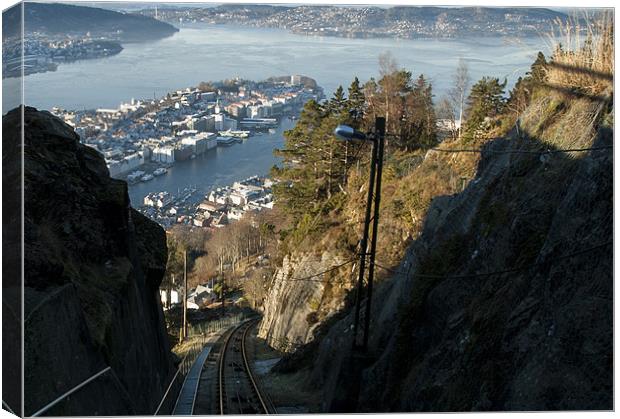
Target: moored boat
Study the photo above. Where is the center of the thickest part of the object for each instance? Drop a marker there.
(235, 133)
(226, 140)
(134, 177)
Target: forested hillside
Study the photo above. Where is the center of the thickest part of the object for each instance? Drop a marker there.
(56, 18)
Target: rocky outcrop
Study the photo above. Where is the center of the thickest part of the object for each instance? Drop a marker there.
(93, 266)
(505, 301)
(296, 299)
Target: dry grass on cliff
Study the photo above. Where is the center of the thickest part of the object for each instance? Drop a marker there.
(553, 119)
(583, 54)
(410, 182)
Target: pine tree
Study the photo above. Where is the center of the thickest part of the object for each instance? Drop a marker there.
(418, 122)
(315, 163)
(486, 100)
(521, 94)
(427, 119)
(300, 169)
(357, 101)
(338, 103)
(538, 70)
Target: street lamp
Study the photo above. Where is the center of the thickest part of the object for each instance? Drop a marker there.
(346, 133)
(377, 138)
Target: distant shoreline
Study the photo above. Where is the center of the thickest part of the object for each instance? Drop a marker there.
(367, 22)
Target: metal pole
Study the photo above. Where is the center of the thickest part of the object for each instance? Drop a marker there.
(222, 295)
(185, 294)
(169, 297)
(364, 243)
(380, 139)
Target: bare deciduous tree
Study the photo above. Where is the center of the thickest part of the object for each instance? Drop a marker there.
(446, 113)
(458, 94)
(255, 286)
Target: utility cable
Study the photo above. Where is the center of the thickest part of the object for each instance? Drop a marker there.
(500, 272)
(311, 277)
(476, 150)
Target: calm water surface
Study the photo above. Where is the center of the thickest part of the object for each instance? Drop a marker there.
(216, 52)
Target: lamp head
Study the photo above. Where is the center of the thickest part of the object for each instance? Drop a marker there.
(346, 132)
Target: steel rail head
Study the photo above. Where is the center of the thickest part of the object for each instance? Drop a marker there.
(221, 364)
(249, 371)
(221, 370)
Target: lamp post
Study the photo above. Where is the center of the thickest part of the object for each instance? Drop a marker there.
(377, 138)
(184, 294)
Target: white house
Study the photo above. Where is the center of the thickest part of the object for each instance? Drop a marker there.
(201, 296)
(168, 300)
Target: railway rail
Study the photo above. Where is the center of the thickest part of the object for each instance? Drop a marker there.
(238, 389)
(227, 384)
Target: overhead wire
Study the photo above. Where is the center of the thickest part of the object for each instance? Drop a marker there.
(566, 150)
(311, 278)
(498, 272)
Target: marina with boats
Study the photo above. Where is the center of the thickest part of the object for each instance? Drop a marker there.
(217, 208)
(224, 139)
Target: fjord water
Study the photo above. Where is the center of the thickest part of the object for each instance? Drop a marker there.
(202, 52)
(214, 52)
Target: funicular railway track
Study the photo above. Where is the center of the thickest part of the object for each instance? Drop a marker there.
(238, 391)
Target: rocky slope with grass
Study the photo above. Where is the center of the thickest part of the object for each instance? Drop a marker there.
(314, 285)
(504, 301)
(93, 267)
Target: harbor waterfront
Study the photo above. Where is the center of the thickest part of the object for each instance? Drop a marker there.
(143, 139)
(218, 167)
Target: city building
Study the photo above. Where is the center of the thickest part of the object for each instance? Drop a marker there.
(163, 154)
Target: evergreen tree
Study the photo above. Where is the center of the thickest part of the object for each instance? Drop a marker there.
(299, 171)
(315, 163)
(338, 103)
(538, 70)
(486, 100)
(393, 90)
(418, 122)
(521, 94)
(357, 101)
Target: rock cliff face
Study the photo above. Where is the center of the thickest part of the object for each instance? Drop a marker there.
(291, 310)
(505, 301)
(93, 266)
